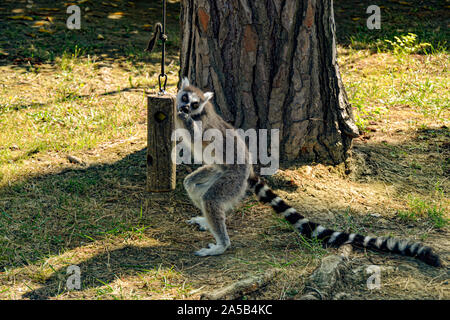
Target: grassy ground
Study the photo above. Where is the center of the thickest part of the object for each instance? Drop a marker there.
(81, 93)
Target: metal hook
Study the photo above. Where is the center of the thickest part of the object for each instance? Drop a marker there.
(162, 90)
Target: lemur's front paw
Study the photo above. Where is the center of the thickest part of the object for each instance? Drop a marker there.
(213, 250)
(200, 221)
(182, 115)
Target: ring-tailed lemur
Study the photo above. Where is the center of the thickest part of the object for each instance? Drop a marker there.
(216, 188)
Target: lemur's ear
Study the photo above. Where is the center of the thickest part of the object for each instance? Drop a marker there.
(208, 95)
(184, 83)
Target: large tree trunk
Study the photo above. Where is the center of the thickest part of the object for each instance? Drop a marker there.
(272, 64)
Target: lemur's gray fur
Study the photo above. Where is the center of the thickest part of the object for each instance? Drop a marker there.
(213, 188)
(217, 188)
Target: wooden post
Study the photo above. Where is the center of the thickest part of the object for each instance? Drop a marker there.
(161, 171)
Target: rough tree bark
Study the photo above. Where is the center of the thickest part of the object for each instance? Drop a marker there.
(272, 64)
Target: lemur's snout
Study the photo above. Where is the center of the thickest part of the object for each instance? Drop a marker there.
(184, 109)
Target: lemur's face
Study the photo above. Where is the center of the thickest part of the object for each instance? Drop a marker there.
(188, 102)
(191, 100)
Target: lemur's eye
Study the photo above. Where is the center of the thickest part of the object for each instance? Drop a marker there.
(185, 98)
(194, 105)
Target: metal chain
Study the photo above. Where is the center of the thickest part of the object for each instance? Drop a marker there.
(160, 28)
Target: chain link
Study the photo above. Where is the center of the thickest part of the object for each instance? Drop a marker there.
(160, 29)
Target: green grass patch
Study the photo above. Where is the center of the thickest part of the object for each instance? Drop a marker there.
(422, 210)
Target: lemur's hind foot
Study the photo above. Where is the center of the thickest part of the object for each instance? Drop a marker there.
(212, 250)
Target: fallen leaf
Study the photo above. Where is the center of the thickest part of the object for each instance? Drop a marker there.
(49, 9)
(21, 18)
(115, 15)
(43, 30)
(100, 37)
(110, 4)
(40, 23)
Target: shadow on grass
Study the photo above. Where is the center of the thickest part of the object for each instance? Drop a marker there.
(427, 19)
(43, 214)
(117, 31)
(66, 208)
(104, 268)
(416, 164)
(19, 106)
(60, 212)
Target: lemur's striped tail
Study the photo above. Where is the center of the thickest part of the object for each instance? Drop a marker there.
(331, 238)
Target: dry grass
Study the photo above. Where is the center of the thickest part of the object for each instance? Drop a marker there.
(131, 245)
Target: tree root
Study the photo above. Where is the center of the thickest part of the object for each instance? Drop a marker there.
(241, 287)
